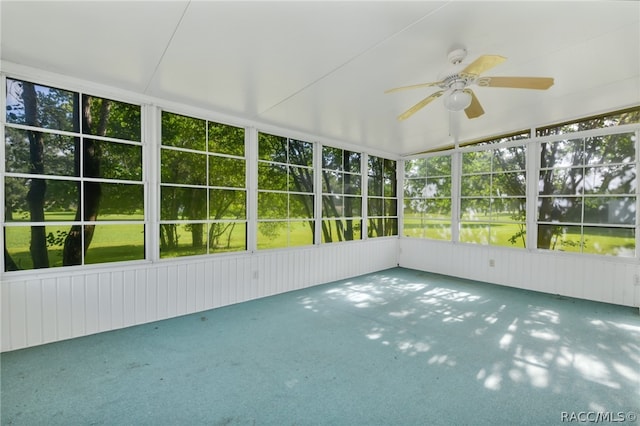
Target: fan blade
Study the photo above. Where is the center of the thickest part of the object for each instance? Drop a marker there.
(474, 109)
(414, 86)
(408, 113)
(482, 64)
(538, 83)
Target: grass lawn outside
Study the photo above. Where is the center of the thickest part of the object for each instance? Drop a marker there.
(597, 240)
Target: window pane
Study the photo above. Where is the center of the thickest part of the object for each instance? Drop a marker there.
(565, 153)
(226, 139)
(227, 204)
(415, 188)
(57, 156)
(273, 205)
(183, 132)
(391, 226)
(182, 239)
(300, 179)
(52, 200)
(415, 168)
(438, 187)
(272, 234)
(561, 181)
(301, 233)
(111, 118)
(300, 153)
(610, 180)
(476, 162)
(438, 231)
(558, 209)
(438, 208)
(375, 186)
(341, 230)
(609, 149)
(475, 208)
(116, 201)
(41, 106)
(227, 237)
(439, 166)
(183, 167)
(352, 184)
(272, 148)
(509, 184)
(375, 166)
(18, 242)
(374, 206)
(476, 185)
(390, 185)
(560, 238)
(116, 161)
(610, 210)
(610, 241)
(509, 159)
(301, 206)
(272, 176)
(473, 232)
(508, 209)
(508, 235)
(352, 206)
(390, 207)
(228, 172)
(352, 162)
(177, 203)
(116, 243)
(332, 206)
(331, 158)
(332, 182)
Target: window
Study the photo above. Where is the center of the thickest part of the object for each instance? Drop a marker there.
(74, 191)
(202, 192)
(382, 201)
(341, 195)
(586, 200)
(427, 198)
(285, 192)
(493, 197)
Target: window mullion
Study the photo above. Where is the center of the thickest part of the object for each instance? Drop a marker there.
(251, 170)
(532, 176)
(456, 179)
(317, 191)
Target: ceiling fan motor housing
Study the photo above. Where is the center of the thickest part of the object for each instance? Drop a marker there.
(452, 78)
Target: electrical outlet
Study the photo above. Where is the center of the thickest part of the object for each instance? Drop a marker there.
(636, 279)
(492, 263)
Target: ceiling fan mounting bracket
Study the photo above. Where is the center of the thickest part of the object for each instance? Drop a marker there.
(456, 56)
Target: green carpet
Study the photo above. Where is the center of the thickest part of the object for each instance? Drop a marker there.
(397, 347)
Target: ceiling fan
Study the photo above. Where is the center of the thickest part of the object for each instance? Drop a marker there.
(454, 84)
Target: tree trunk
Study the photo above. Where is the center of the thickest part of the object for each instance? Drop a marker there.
(91, 156)
(38, 187)
(545, 233)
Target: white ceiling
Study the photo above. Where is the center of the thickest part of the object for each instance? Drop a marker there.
(320, 68)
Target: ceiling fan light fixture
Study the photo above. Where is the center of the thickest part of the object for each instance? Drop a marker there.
(457, 100)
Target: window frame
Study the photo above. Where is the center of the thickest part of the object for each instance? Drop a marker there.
(207, 154)
(79, 137)
(424, 198)
(633, 129)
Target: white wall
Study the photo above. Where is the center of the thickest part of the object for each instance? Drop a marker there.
(599, 278)
(49, 306)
